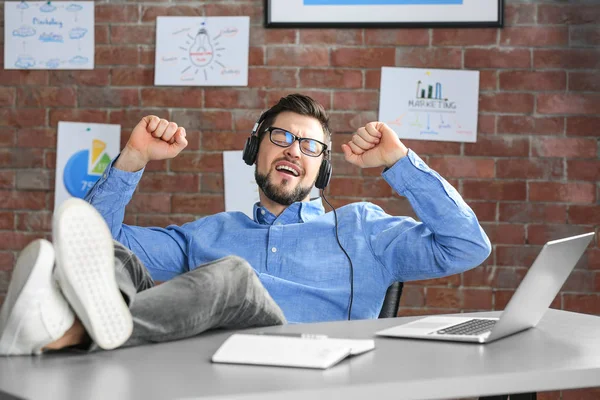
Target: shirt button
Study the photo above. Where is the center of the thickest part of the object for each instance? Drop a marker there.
(262, 212)
(273, 249)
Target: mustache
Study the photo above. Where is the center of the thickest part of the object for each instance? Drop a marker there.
(289, 161)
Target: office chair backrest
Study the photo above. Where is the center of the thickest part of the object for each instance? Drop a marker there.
(391, 302)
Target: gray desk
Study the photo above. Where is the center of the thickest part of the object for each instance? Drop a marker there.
(563, 352)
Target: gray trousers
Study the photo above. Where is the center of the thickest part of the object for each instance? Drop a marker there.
(225, 293)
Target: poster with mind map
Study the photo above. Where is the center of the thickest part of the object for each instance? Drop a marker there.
(49, 35)
(430, 104)
(202, 51)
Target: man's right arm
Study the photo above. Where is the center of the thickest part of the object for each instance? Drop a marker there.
(163, 251)
(111, 194)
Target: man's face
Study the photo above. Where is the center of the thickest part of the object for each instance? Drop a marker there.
(273, 163)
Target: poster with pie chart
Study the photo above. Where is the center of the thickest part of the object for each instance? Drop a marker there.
(83, 153)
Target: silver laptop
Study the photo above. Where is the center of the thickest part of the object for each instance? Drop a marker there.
(544, 279)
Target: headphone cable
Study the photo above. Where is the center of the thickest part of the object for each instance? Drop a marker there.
(347, 256)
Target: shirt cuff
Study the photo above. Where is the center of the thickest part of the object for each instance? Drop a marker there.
(405, 171)
(128, 178)
(119, 182)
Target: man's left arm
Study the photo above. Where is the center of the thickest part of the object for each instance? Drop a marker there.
(448, 239)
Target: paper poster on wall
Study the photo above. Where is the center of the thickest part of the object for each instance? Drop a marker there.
(83, 152)
(241, 191)
(49, 34)
(202, 51)
(430, 104)
(383, 13)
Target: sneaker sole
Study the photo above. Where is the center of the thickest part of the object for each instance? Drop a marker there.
(85, 267)
(32, 271)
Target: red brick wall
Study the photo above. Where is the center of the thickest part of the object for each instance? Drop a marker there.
(532, 176)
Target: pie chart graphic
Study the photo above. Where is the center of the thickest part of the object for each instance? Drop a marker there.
(81, 172)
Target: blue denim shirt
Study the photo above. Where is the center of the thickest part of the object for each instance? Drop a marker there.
(296, 254)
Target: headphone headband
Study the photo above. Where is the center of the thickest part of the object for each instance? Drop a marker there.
(258, 122)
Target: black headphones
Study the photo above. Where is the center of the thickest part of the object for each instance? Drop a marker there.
(251, 150)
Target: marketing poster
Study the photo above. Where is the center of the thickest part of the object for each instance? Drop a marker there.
(430, 104)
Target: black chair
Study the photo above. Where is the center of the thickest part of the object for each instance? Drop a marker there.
(391, 302)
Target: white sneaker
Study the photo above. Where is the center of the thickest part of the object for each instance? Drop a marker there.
(34, 313)
(85, 273)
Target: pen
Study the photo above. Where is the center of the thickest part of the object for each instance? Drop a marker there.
(298, 335)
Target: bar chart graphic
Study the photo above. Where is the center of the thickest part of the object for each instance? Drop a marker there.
(427, 91)
(430, 104)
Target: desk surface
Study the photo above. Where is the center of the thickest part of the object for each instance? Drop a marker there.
(562, 352)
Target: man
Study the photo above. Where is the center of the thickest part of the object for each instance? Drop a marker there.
(291, 243)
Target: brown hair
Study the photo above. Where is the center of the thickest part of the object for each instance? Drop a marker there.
(299, 104)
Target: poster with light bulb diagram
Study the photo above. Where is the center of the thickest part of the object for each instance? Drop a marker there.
(202, 51)
(430, 104)
(49, 34)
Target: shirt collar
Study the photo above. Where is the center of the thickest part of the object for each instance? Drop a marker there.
(298, 212)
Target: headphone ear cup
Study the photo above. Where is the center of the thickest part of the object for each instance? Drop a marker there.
(324, 174)
(250, 150)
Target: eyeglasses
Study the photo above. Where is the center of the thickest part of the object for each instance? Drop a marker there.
(308, 146)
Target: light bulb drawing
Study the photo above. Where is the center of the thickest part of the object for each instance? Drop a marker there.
(202, 53)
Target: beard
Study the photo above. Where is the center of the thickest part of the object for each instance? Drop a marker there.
(278, 194)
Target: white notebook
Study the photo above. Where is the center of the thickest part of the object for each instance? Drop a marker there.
(288, 351)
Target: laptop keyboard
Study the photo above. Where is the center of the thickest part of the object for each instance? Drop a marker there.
(471, 327)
